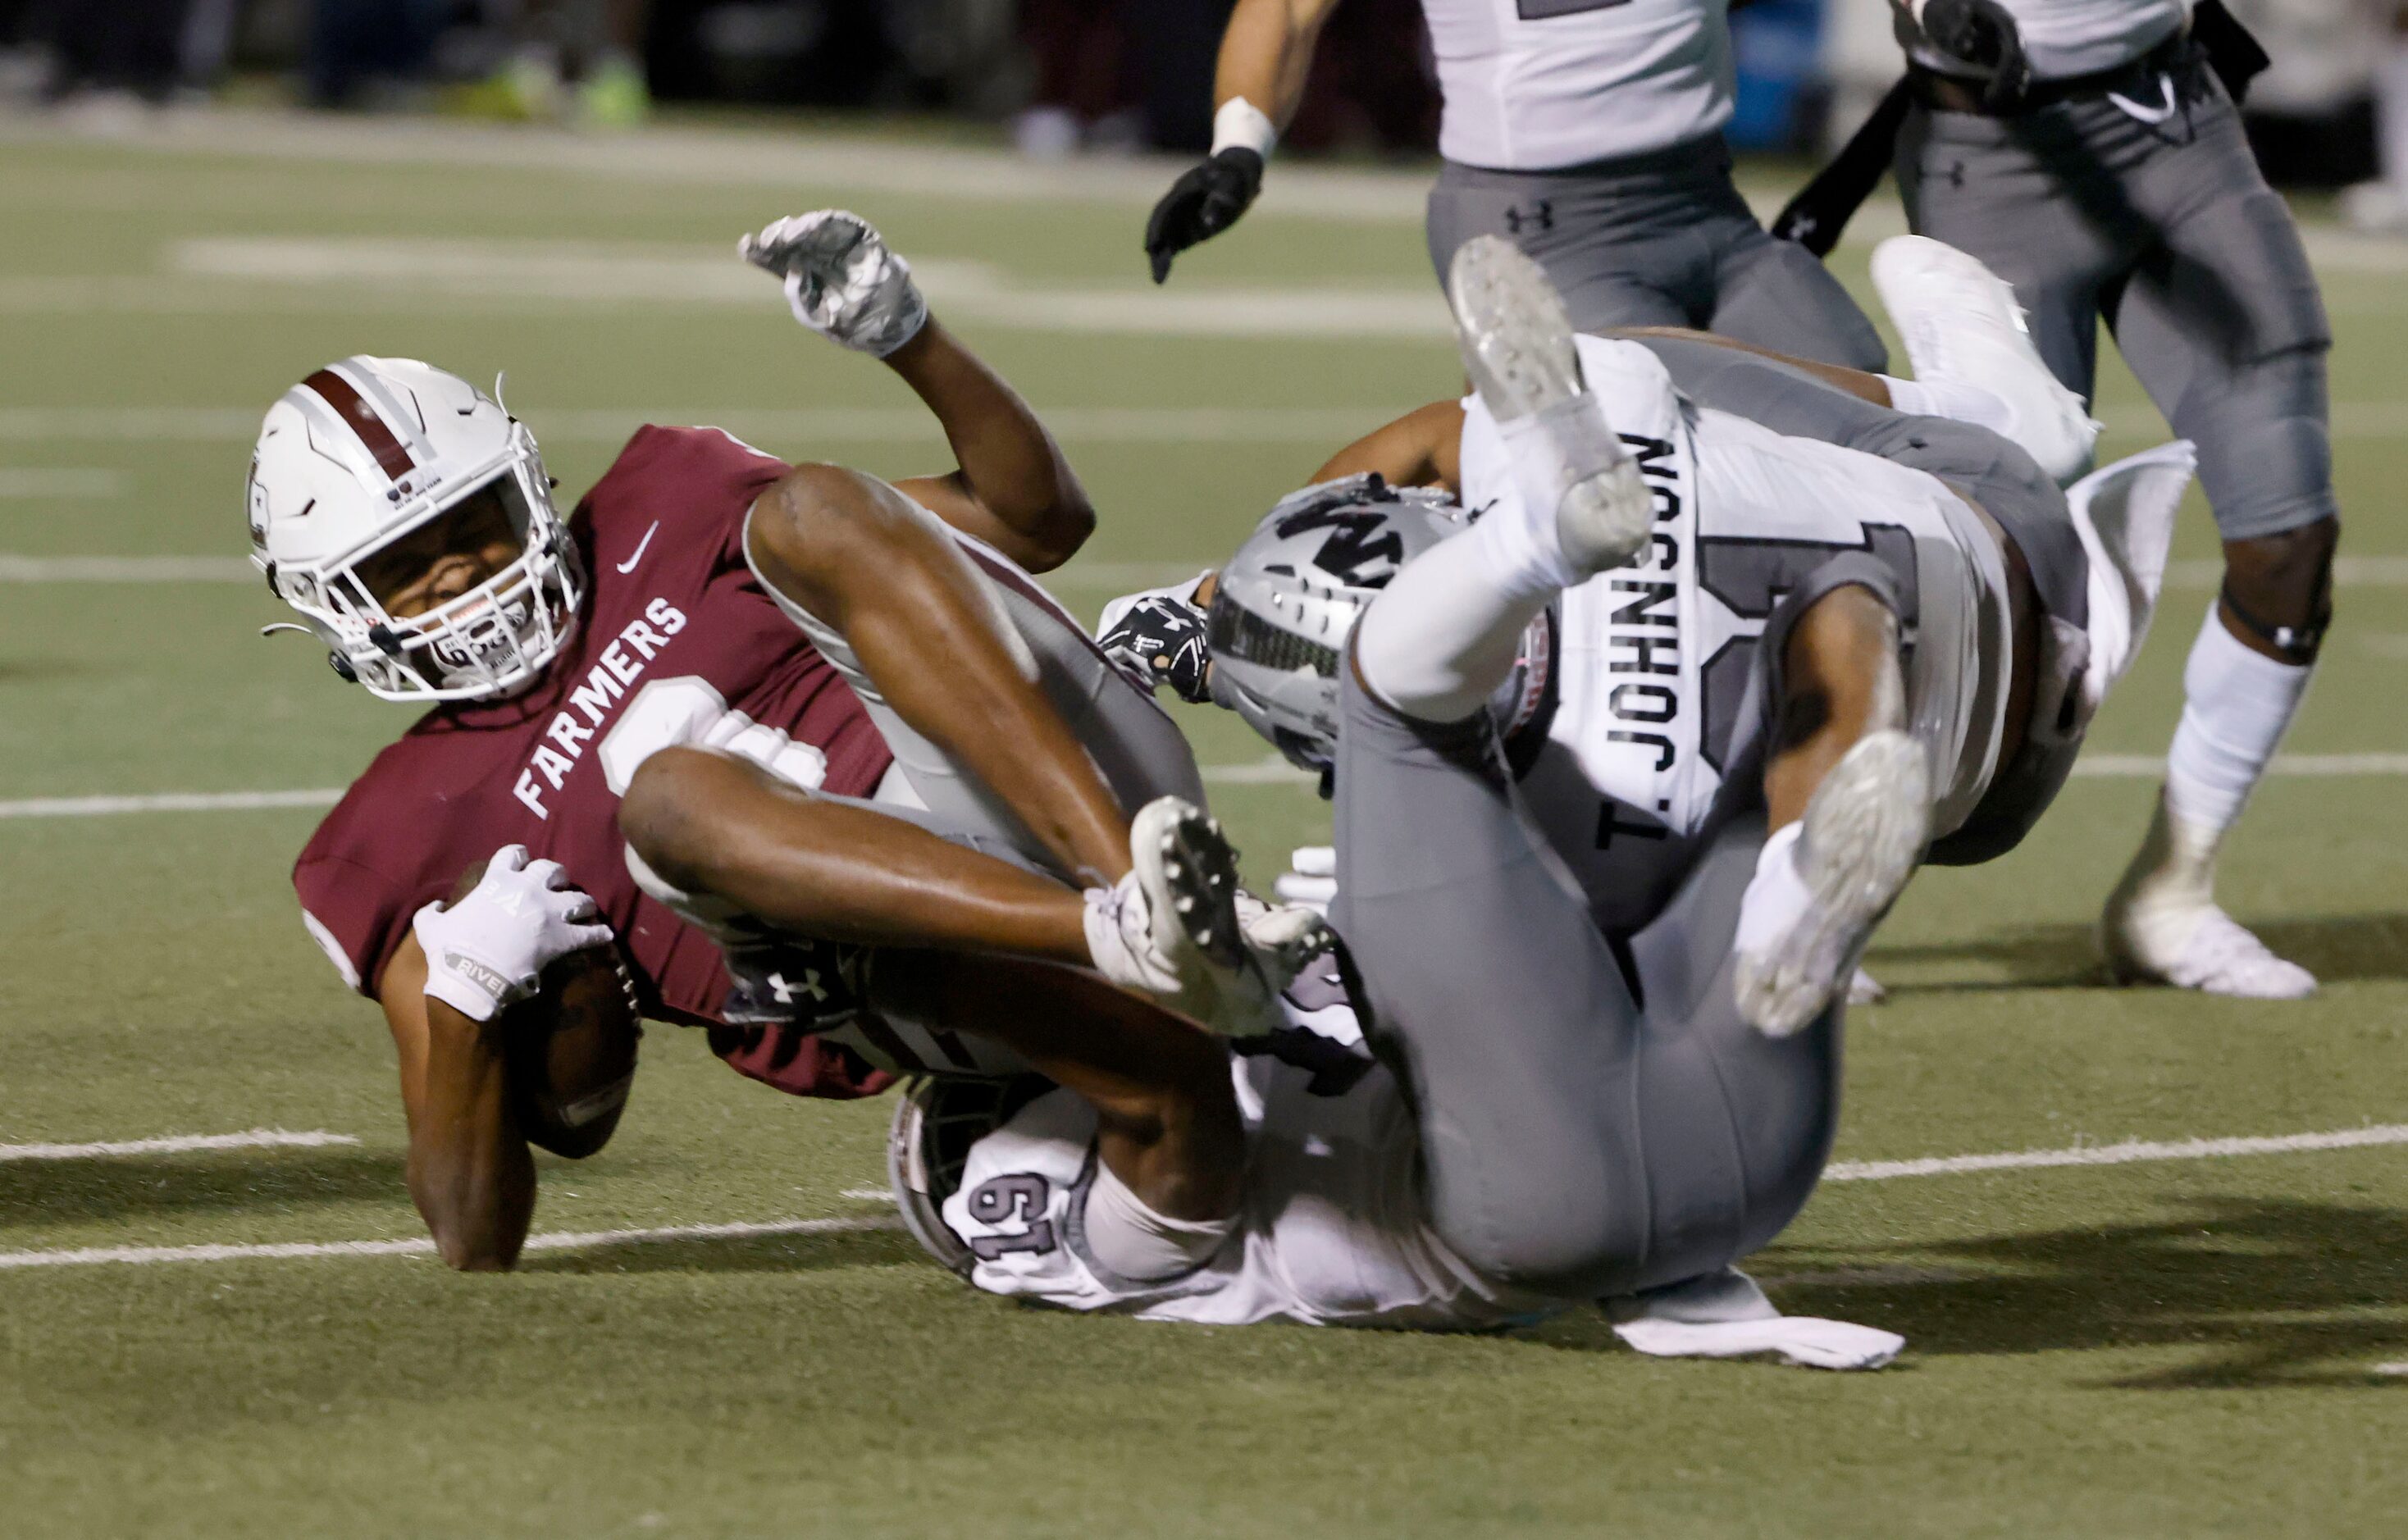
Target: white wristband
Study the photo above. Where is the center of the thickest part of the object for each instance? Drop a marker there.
(1241, 125)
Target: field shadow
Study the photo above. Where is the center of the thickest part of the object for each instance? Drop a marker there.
(2270, 1292)
(40, 670)
(2335, 948)
(129, 1186)
(735, 1254)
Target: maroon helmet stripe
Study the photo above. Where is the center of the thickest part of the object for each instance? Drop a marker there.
(391, 454)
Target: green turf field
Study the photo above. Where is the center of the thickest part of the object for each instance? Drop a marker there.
(2166, 1346)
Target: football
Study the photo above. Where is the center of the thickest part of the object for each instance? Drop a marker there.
(570, 1053)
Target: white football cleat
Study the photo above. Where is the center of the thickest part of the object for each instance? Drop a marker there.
(1960, 323)
(2163, 925)
(1518, 348)
(1228, 968)
(1865, 989)
(1859, 842)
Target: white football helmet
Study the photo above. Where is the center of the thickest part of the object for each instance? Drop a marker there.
(361, 455)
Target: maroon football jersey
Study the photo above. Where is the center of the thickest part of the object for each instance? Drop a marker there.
(675, 632)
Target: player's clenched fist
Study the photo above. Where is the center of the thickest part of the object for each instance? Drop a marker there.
(485, 951)
(842, 279)
(1202, 204)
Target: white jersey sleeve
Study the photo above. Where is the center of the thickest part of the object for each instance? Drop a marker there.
(1537, 85)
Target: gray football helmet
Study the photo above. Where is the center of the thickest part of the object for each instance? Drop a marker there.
(1290, 594)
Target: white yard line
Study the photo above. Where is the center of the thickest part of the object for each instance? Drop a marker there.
(33, 482)
(2149, 766)
(801, 167)
(576, 1240)
(1267, 771)
(769, 426)
(127, 569)
(2130, 1152)
(177, 1144)
(170, 802)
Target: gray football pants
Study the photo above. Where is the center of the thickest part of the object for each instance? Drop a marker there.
(1659, 240)
(2169, 231)
(1584, 1130)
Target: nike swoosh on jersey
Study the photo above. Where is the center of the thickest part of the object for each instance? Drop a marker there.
(629, 564)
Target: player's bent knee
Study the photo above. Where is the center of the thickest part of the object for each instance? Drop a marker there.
(2265, 452)
(668, 812)
(2279, 587)
(814, 521)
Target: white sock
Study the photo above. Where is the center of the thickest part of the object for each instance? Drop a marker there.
(1127, 1235)
(2236, 705)
(2391, 115)
(1444, 635)
(1550, 451)
(1776, 896)
(1959, 401)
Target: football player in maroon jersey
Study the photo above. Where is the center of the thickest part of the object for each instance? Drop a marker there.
(408, 519)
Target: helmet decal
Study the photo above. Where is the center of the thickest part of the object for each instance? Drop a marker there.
(391, 454)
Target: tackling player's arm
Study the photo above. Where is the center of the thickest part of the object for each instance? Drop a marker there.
(470, 1172)
(1421, 448)
(1265, 53)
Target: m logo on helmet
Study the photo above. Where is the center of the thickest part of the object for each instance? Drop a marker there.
(1363, 551)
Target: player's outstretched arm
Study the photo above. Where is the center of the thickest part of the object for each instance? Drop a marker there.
(1265, 53)
(1014, 488)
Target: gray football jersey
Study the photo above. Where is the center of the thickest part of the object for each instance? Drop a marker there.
(1536, 85)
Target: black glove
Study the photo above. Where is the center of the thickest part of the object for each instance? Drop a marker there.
(1980, 32)
(1202, 204)
(1158, 639)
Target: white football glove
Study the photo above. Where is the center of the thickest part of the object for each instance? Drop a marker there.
(841, 281)
(486, 951)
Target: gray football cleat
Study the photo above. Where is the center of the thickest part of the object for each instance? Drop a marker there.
(1863, 834)
(1518, 348)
